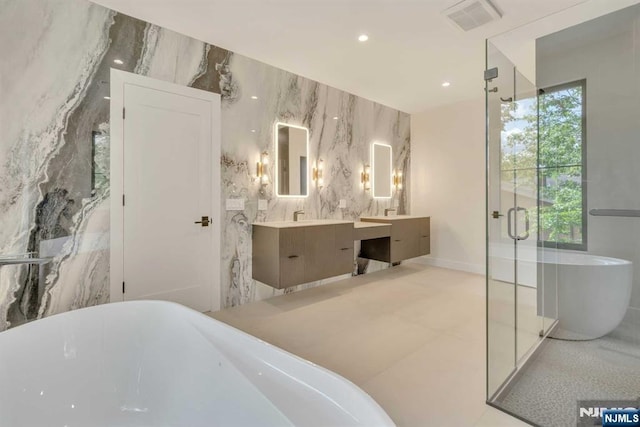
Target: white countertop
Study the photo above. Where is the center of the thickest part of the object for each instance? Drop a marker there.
(391, 217)
(301, 223)
(360, 224)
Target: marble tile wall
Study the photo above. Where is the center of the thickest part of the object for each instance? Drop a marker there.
(54, 136)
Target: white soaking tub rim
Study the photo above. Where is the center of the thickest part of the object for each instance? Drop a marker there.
(260, 365)
(577, 258)
(540, 255)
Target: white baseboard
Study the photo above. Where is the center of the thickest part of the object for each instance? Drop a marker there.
(451, 264)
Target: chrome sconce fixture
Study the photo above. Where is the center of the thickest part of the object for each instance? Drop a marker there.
(397, 180)
(365, 177)
(318, 172)
(261, 169)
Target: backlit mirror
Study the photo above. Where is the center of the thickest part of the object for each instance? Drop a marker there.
(381, 161)
(292, 153)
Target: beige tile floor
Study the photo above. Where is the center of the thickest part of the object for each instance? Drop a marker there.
(413, 337)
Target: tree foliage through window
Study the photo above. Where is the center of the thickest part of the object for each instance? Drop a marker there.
(553, 163)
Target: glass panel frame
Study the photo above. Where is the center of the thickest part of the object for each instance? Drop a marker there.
(501, 249)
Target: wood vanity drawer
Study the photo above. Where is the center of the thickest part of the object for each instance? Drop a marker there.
(404, 248)
(403, 230)
(292, 259)
(425, 227)
(318, 250)
(343, 249)
(343, 262)
(343, 236)
(425, 245)
(291, 242)
(404, 240)
(425, 236)
(293, 267)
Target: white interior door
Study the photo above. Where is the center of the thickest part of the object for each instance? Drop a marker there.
(168, 170)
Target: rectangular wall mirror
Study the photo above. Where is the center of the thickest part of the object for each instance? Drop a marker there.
(381, 164)
(292, 152)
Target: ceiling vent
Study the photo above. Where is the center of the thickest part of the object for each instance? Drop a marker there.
(470, 14)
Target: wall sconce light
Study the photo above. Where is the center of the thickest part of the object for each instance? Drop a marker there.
(397, 180)
(261, 168)
(365, 177)
(318, 172)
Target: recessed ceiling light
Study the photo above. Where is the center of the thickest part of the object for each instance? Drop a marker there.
(446, 84)
(107, 97)
(363, 37)
(335, 118)
(118, 61)
(254, 97)
(253, 130)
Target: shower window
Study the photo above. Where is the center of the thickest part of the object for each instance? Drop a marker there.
(562, 217)
(544, 144)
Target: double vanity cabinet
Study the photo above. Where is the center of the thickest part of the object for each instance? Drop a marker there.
(288, 253)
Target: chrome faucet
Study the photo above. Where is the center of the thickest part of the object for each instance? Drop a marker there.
(386, 211)
(296, 214)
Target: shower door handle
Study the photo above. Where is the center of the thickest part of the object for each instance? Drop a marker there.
(511, 218)
(527, 223)
(510, 223)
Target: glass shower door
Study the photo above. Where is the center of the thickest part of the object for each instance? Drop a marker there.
(513, 279)
(520, 141)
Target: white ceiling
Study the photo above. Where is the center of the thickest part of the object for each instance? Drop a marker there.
(412, 48)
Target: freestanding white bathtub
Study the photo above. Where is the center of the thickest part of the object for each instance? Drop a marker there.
(588, 294)
(593, 292)
(153, 363)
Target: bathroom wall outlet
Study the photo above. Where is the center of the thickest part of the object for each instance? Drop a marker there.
(235, 204)
(343, 204)
(262, 204)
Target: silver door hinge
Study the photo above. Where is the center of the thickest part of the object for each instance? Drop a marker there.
(490, 74)
(123, 200)
(123, 287)
(123, 113)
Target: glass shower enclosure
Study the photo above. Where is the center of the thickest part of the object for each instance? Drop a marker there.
(563, 216)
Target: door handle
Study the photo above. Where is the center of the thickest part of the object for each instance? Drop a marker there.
(510, 223)
(527, 223)
(205, 221)
(496, 214)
